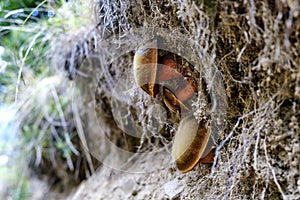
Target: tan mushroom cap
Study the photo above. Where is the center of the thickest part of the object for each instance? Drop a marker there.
(190, 142)
(145, 66)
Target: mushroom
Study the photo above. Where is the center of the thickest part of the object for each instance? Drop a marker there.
(145, 67)
(172, 102)
(192, 142)
(149, 76)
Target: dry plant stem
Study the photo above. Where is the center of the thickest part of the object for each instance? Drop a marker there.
(38, 152)
(40, 137)
(82, 138)
(64, 125)
(54, 132)
(57, 138)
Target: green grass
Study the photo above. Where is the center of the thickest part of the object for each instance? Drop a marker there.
(26, 38)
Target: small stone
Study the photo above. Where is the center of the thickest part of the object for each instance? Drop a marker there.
(173, 188)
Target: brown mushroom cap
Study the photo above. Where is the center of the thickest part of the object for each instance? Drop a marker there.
(190, 142)
(145, 66)
(186, 92)
(172, 102)
(167, 70)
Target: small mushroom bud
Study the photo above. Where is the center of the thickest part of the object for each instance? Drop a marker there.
(191, 143)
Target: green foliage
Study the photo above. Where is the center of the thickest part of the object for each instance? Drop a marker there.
(16, 57)
(22, 191)
(16, 180)
(13, 10)
(28, 51)
(43, 131)
(16, 4)
(47, 130)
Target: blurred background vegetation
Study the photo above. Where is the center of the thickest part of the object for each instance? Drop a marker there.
(40, 151)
